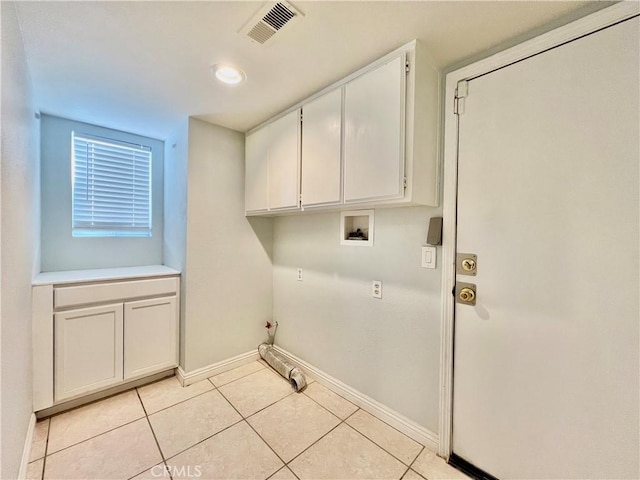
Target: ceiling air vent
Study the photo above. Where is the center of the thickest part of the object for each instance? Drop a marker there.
(272, 18)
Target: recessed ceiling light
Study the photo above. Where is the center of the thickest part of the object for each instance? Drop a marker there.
(228, 74)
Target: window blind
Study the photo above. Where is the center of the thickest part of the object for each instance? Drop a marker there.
(111, 188)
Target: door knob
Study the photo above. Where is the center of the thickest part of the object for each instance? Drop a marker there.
(467, 295)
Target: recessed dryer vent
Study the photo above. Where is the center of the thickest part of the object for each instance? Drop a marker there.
(272, 18)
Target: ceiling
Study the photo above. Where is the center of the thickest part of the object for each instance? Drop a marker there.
(143, 66)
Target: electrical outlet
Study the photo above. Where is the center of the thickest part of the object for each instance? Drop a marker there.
(299, 275)
(377, 289)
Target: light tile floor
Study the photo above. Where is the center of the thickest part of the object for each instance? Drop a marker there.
(246, 423)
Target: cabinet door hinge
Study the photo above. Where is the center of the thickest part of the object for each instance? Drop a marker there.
(462, 90)
(407, 67)
(404, 183)
(301, 116)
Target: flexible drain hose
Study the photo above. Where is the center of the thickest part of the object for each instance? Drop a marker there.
(293, 374)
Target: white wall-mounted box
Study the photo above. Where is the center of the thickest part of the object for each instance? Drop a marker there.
(357, 228)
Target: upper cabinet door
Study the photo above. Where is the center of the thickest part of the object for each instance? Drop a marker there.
(321, 150)
(374, 133)
(256, 171)
(284, 162)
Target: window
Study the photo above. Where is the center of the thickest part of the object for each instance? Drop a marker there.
(111, 188)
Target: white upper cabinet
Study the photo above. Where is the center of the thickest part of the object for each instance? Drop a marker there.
(256, 171)
(369, 140)
(374, 133)
(322, 150)
(284, 162)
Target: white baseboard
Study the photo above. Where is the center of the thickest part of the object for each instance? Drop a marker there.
(26, 451)
(410, 428)
(188, 378)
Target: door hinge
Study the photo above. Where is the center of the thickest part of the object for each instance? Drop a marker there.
(404, 183)
(301, 116)
(462, 90)
(407, 67)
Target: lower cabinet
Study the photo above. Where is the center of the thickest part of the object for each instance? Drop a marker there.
(96, 330)
(88, 350)
(98, 347)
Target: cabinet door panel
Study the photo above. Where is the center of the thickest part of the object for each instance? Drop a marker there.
(150, 336)
(256, 171)
(321, 150)
(284, 162)
(374, 134)
(88, 353)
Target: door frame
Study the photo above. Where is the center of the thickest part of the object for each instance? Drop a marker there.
(572, 31)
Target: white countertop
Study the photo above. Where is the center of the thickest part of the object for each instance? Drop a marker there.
(121, 273)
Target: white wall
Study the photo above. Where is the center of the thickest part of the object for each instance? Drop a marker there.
(19, 257)
(228, 263)
(386, 348)
(175, 212)
(62, 251)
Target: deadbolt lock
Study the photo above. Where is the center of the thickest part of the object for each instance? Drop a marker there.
(466, 263)
(466, 293)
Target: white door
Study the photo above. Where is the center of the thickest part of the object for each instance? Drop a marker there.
(322, 150)
(374, 134)
(546, 375)
(284, 162)
(150, 336)
(88, 350)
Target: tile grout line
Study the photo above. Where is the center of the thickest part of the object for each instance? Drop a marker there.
(363, 434)
(312, 444)
(181, 401)
(360, 433)
(383, 448)
(205, 439)
(242, 418)
(146, 416)
(405, 473)
(92, 437)
(280, 469)
(340, 423)
(263, 408)
(414, 461)
(46, 448)
(235, 379)
(114, 428)
(251, 427)
(332, 413)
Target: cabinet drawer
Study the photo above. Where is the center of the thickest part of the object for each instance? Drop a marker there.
(107, 292)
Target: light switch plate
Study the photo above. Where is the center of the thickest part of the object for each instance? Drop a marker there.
(428, 257)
